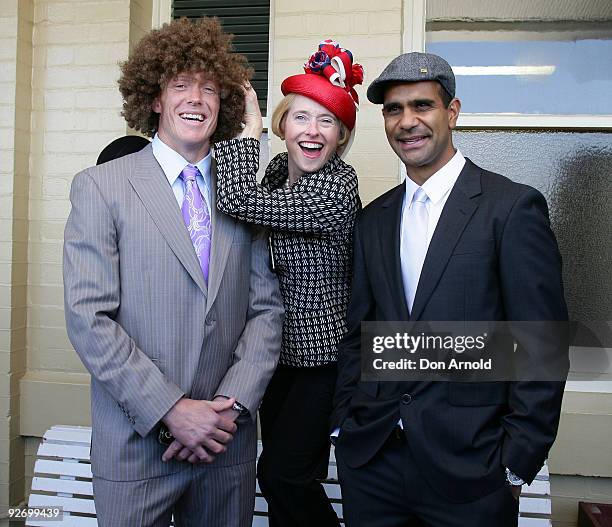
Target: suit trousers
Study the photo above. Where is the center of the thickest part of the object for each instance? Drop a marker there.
(390, 491)
(294, 419)
(199, 496)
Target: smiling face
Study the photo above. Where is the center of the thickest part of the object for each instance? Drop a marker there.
(189, 107)
(419, 127)
(311, 134)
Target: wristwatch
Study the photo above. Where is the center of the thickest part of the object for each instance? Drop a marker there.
(241, 409)
(513, 479)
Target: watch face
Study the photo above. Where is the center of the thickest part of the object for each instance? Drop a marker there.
(239, 408)
(513, 479)
(165, 437)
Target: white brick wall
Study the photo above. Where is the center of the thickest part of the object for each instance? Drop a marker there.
(77, 46)
(15, 106)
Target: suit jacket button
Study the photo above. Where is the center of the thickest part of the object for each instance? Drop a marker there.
(406, 398)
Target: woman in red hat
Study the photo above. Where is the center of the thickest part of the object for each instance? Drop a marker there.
(308, 200)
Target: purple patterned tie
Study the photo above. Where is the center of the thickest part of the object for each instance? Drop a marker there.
(197, 218)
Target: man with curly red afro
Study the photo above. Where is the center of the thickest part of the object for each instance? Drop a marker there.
(170, 304)
(178, 48)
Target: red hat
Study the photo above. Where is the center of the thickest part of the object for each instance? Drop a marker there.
(329, 80)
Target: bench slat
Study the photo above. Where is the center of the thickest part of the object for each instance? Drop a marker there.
(535, 506)
(260, 521)
(65, 486)
(333, 490)
(68, 504)
(45, 466)
(534, 522)
(67, 521)
(64, 451)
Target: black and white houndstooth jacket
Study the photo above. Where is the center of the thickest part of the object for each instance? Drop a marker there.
(311, 228)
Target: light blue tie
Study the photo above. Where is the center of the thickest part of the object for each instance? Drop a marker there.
(414, 234)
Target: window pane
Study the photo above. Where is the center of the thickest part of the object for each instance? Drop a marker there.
(574, 171)
(529, 72)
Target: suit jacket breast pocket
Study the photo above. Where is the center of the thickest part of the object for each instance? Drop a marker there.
(474, 245)
(477, 393)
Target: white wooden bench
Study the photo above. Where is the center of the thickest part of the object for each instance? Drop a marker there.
(62, 478)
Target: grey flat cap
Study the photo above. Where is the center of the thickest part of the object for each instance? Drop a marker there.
(413, 67)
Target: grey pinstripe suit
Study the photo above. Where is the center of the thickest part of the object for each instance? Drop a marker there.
(147, 327)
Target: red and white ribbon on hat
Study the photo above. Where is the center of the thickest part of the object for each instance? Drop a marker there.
(336, 64)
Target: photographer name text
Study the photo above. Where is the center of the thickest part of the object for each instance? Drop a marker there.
(427, 364)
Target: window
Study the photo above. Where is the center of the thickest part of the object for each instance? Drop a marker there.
(529, 72)
(526, 65)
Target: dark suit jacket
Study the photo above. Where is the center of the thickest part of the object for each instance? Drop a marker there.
(492, 257)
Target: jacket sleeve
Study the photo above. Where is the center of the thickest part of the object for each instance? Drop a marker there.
(258, 348)
(530, 274)
(92, 292)
(316, 203)
(361, 307)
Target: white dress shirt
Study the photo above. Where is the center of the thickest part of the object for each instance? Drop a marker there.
(437, 188)
(173, 163)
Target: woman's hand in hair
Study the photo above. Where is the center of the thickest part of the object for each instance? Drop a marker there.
(252, 115)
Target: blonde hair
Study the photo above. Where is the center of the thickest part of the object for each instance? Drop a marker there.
(280, 112)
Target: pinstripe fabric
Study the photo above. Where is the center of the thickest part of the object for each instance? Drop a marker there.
(146, 326)
(204, 496)
(223, 496)
(141, 503)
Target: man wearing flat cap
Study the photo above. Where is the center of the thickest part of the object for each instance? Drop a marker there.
(454, 242)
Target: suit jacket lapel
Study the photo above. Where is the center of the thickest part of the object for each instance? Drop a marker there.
(389, 236)
(151, 185)
(457, 212)
(223, 227)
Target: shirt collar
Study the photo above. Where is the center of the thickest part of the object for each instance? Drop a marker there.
(173, 163)
(440, 182)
